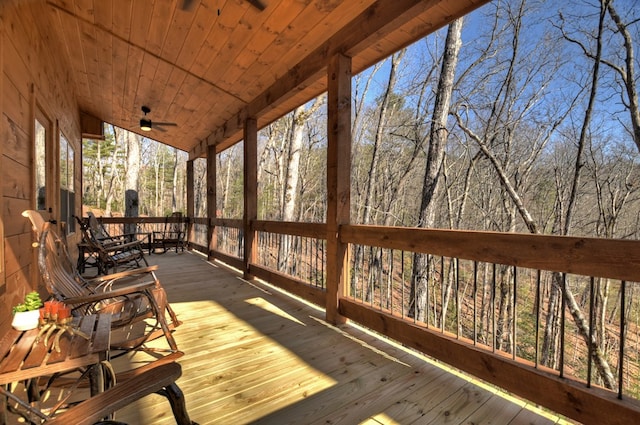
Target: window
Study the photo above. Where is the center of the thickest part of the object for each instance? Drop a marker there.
(67, 192)
(40, 164)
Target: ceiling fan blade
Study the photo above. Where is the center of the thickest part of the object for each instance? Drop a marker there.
(257, 4)
(188, 5)
(165, 124)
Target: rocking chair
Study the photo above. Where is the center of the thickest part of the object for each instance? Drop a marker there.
(173, 234)
(111, 252)
(130, 296)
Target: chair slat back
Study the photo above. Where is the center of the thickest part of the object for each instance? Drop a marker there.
(54, 261)
(174, 229)
(56, 268)
(96, 229)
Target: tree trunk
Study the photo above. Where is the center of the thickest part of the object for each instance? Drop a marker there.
(113, 175)
(433, 169)
(156, 174)
(627, 73)
(131, 200)
(371, 181)
(174, 189)
(292, 178)
(581, 323)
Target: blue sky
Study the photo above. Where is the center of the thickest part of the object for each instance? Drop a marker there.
(540, 30)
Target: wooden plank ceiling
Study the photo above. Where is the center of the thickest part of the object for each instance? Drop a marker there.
(208, 65)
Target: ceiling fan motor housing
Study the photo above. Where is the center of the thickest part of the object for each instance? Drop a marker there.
(145, 124)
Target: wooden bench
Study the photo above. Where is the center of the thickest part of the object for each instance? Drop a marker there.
(157, 377)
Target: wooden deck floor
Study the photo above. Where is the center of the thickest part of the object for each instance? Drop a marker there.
(253, 355)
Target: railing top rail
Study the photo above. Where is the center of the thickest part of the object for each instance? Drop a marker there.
(608, 258)
(309, 230)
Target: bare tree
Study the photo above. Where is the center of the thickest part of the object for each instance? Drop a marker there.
(113, 177)
(387, 107)
(435, 155)
(625, 70)
(132, 200)
(291, 165)
(558, 281)
(175, 188)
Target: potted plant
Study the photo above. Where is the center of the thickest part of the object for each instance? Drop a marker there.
(27, 314)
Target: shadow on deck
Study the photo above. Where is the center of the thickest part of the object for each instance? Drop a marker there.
(254, 355)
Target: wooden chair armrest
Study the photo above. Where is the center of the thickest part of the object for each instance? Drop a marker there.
(121, 236)
(118, 292)
(132, 373)
(122, 246)
(126, 273)
(110, 240)
(106, 283)
(149, 381)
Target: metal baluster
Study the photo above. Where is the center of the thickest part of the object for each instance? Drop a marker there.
(457, 268)
(428, 306)
(591, 314)
(323, 262)
(493, 308)
(390, 291)
(402, 282)
(562, 322)
(538, 283)
(623, 320)
(442, 282)
(475, 303)
(415, 297)
(514, 315)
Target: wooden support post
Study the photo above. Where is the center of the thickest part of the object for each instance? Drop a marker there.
(338, 181)
(250, 192)
(190, 201)
(2, 131)
(211, 201)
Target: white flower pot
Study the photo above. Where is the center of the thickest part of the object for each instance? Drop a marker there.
(26, 320)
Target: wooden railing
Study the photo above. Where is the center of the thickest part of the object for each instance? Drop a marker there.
(292, 256)
(469, 269)
(487, 301)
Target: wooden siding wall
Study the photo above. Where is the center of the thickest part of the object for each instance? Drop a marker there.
(31, 73)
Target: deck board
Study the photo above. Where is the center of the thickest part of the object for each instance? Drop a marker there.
(253, 355)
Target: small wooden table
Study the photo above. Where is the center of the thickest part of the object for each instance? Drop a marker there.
(24, 358)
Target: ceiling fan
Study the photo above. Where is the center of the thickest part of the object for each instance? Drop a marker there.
(147, 125)
(190, 4)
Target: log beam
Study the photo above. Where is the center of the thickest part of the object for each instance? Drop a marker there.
(338, 180)
(211, 201)
(250, 192)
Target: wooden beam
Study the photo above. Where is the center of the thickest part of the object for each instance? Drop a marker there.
(211, 200)
(190, 200)
(250, 192)
(190, 190)
(338, 180)
(2, 132)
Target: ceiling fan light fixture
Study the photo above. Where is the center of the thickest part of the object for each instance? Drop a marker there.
(145, 124)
